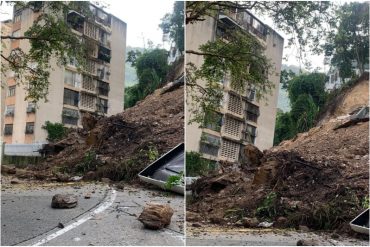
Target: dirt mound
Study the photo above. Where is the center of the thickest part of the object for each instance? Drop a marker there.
(120, 146)
(347, 100)
(319, 179)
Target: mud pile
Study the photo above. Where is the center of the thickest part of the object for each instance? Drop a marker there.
(120, 146)
(319, 180)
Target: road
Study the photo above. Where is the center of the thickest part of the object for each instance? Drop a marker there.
(206, 236)
(109, 217)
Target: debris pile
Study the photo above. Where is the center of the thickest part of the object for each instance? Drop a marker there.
(120, 146)
(317, 180)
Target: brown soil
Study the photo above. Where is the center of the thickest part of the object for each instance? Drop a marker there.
(319, 179)
(120, 146)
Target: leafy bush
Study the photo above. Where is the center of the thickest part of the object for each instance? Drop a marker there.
(56, 131)
(196, 165)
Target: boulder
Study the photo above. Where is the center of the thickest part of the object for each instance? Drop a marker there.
(64, 201)
(156, 216)
(251, 155)
(307, 242)
(88, 121)
(8, 169)
(266, 173)
(250, 222)
(90, 175)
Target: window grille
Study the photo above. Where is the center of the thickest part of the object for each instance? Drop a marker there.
(88, 83)
(8, 129)
(252, 112)
(230, 150)
(103, 88)
(30, 128)
(11, 91)
(88, 101)
(70, 97)
(70, 116)
(209, 144)
(233, 127)
(9, 111)
(102, 105)
(235, 104)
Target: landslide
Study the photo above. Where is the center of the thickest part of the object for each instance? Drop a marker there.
(319, 179)
(120, 146)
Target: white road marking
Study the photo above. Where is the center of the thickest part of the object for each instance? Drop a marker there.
(98, 210)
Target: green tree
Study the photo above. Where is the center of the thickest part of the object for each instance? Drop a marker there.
(173, 24)
(285, 77)
(350, 42)
(312, 84)
(56, 131)
(50, 36)
(284, 127)
(151, 69)
(303, 113)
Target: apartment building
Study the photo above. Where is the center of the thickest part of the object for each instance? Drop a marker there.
(99, 88)
(242, 118)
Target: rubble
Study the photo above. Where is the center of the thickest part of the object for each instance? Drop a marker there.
(120, 146)
(156, 216)
(64, 201)
(313, 180)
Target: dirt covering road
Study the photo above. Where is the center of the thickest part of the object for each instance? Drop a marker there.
(120, 146)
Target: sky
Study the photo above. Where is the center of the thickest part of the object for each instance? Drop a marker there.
(142, 18)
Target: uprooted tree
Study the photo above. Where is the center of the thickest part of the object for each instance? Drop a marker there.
(303, 20)
(50, 36)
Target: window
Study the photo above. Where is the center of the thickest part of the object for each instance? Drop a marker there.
(16, 33)
(88, 101)
(88, 83)
(103, 17)
(70, 97)
(252, 112)
(72, 78)
(103, 88)
(91, 30)
(31, 107)
(104, 54)
(213, 121)
(11, 91)
(70, 116)
(73, 62)
(30, 128)
(251, 93)
(209, 144)
(103, 72)
(250, 133)
(9, 111)
(8, 129)
(17, 16)
(76, 21)
(104, 38)
(102, 105)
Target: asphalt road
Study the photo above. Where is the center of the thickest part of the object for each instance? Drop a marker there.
(28, 219)
(207, 236)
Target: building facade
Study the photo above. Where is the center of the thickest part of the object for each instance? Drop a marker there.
(98, 88)
(242, 119)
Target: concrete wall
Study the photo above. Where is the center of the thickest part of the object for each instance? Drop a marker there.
(268, 108)
(196, 34)
(117, 66)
